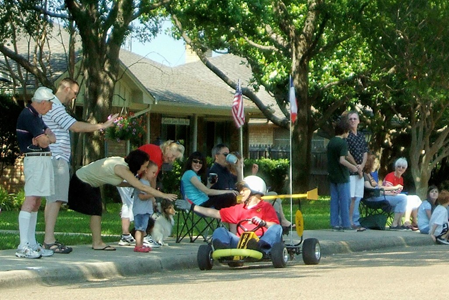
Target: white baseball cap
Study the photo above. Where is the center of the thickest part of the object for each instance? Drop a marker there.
(43, 94)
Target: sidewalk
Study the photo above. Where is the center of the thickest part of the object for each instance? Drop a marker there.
(85, 264)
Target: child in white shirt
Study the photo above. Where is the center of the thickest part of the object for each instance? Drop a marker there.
(438, 223)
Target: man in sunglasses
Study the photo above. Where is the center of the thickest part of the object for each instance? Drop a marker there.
(225, 179)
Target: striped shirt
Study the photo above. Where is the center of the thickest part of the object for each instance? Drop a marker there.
(59, 121)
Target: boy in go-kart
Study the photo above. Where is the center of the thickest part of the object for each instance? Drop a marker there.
(252, 212)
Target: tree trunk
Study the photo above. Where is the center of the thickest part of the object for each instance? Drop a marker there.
(302, 133)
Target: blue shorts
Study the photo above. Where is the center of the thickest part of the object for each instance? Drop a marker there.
(141, 222)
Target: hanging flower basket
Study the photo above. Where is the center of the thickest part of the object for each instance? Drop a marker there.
(127, 128)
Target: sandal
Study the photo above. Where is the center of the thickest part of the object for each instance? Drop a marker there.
(57, 247)
(105, 248)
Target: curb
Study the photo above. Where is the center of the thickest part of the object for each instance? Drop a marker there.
(84, 265)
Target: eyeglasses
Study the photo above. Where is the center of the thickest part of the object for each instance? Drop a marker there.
(224, 154)
(402, 167)
(352, 119)
(197, 161)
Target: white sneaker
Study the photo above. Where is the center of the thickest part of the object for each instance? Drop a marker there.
(28, 252)
(148, 241)
(44, 252)
(126, 240)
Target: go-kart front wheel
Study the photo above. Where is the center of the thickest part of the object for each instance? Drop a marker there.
(279, 255)
(204, 257)
(311, 252)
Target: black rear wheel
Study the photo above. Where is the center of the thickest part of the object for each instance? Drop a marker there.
(311, 252)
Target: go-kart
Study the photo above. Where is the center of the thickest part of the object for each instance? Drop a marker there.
(279, 254)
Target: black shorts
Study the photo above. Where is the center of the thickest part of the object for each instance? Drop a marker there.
(221, 201)
(84, 198)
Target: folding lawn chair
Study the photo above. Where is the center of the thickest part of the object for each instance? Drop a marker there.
(192, 224)
(375, 214)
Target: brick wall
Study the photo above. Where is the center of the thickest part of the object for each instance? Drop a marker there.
(13, 178)
(261, 134)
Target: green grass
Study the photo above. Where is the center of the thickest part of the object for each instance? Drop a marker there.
(316, 216)
(68, 222)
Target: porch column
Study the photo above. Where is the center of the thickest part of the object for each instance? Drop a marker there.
(194, 144)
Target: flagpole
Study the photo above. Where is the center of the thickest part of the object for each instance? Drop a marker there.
(241, 140)
(291, 156)
(238, 113)
(291, 184)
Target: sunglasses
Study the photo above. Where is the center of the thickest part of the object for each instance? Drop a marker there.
(225, 154)
(197, 161)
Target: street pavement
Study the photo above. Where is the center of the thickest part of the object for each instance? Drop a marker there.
(85, 264)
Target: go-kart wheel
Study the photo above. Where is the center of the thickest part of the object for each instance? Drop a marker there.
(311, 252)
(279, 255)
(241, 228)
(204, 257)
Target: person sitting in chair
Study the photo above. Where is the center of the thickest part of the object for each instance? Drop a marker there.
(398, 201)
(195, 191)
(253, 211)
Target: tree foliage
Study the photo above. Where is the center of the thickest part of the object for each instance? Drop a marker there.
(101, 26)
(9, 149)
(317, 42)
(409, 46)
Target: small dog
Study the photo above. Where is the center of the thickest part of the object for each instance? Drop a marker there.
(164, 222)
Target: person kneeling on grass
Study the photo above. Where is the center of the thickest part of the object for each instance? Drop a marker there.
(253, 209)
(439, 220)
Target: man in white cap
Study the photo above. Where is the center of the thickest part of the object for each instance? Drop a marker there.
(34, 138)
(61, 123)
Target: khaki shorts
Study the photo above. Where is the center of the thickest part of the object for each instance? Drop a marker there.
(62, 180)
(39, 176)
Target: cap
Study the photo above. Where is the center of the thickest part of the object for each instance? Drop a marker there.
(43, 94)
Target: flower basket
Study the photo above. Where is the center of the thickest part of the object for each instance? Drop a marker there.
(127, 128)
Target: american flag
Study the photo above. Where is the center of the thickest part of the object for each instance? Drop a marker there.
(293, 105)
(237, 107)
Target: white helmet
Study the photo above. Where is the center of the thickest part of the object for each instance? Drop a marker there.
(255, 184)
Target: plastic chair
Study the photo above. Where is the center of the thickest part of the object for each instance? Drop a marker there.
(191, 224)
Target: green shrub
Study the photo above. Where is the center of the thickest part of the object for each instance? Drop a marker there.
(170, 182)
(273, 171)
(11, 202)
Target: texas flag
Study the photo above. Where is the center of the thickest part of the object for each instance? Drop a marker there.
(237, 107)
(293, 105)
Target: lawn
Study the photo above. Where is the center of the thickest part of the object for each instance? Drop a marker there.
(73, 228)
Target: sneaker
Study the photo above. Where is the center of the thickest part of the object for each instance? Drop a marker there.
(442, 241)
(217, 244)
(143, 249)
(253, 244)
(126, 240)
(44, 252)
(27, 252)
(148, 241)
